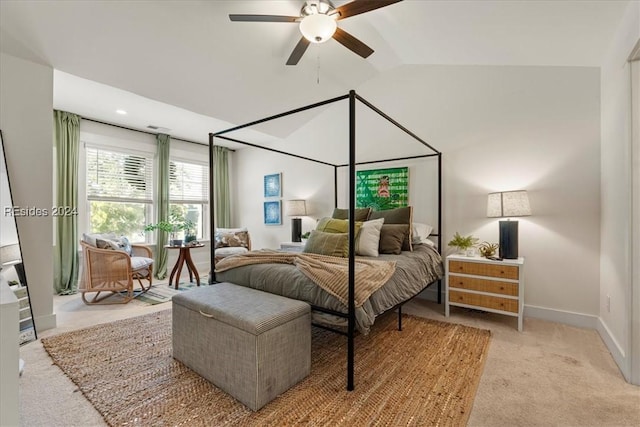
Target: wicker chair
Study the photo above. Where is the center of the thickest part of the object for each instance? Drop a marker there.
(110, 273)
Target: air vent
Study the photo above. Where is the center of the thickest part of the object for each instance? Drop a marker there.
(158, 128)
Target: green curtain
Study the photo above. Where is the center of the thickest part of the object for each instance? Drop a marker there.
(67, 141)
(221, 187)
(162, 209)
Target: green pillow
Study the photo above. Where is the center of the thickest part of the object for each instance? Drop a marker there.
(360, 214)
(332, 244)
(331, 225)
(398, 216)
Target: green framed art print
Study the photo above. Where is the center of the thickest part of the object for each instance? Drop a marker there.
(382, 189)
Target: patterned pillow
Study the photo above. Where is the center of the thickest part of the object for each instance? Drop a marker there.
(332, 244)
(232, 239)
(116, 244)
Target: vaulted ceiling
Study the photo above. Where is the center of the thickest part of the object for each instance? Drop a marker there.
(185, 66)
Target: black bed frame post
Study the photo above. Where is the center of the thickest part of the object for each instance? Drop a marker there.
(212, 215)
(335, 186)
(352, 230)
(440, 233)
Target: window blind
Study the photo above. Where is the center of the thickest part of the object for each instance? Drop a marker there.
(188, 182)
(119, 176)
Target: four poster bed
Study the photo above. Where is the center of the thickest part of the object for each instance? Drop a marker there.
(311, 278)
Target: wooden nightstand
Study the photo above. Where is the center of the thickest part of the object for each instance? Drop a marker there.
(292, 246)
(483, 284)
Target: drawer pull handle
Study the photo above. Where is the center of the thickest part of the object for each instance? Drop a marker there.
(210, 316)
(460, 283)
(502, 288)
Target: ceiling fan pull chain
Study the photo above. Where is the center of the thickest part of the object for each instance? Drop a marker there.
(318, 69)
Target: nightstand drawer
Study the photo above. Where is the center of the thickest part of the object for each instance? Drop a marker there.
(483, 285)
(496, 303)
(484, 269)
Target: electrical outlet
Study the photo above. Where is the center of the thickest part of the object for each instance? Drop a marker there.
(608, 303)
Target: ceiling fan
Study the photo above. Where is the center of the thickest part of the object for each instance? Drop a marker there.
(318, 24)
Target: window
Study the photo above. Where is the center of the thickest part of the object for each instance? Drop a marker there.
(119, 191)
(189, 193)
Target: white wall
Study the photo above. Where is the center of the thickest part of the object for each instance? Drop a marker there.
(26, 120)
(615, 227)
(300, 180)
(499, 128)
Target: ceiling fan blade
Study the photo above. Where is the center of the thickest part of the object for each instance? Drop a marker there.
(352, 43)
(357, 7)
(298, 51)
(264, 18)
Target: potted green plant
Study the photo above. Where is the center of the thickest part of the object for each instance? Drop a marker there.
(305, 236)
(173, 227)
(464, 244)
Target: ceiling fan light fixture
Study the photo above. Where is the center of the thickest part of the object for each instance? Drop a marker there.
(318, 28)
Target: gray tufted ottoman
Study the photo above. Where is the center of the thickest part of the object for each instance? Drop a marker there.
(251, 344)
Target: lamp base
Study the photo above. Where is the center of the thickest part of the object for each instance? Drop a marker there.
(508, 239)
(296, 229)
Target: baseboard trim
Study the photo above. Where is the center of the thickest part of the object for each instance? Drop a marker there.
(618, 354)
(44, 323)
(579, 320)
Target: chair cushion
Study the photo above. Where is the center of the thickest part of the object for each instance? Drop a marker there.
(139, 262)
(230, 250)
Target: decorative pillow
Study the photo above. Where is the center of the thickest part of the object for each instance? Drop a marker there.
(369, 238)
(391, 238)
(232, 239)
(420, 232)
(92, 238)
(398, 216)
(361, 214)
(331, 225)
(332, 244)
(117, 244)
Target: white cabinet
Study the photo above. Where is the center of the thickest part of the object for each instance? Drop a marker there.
(483, 284)
(9, 357)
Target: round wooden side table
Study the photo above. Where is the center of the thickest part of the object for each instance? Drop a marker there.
(184, 257)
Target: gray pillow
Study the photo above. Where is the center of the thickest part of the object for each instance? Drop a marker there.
(398, 216)
(332, 244)
(361, 214)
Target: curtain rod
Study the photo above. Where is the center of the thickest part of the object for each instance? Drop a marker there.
(144, 131)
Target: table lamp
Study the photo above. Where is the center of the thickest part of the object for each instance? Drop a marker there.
(508, 204)
(295, 208)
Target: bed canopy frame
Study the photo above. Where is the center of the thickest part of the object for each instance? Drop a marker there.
(352, 97)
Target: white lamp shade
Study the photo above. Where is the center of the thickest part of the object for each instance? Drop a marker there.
(508, 204)
(295, 208)
(318, 28)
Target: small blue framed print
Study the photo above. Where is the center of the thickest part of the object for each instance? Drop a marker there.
(272, 213)
(272, 185)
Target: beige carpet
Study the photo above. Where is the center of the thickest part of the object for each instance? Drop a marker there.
(425, 375)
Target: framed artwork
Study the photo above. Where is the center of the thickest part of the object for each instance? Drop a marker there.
(382, 189)
(273, 185)
(272, 213)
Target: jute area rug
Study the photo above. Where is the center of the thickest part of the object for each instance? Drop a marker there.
(426, 375)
